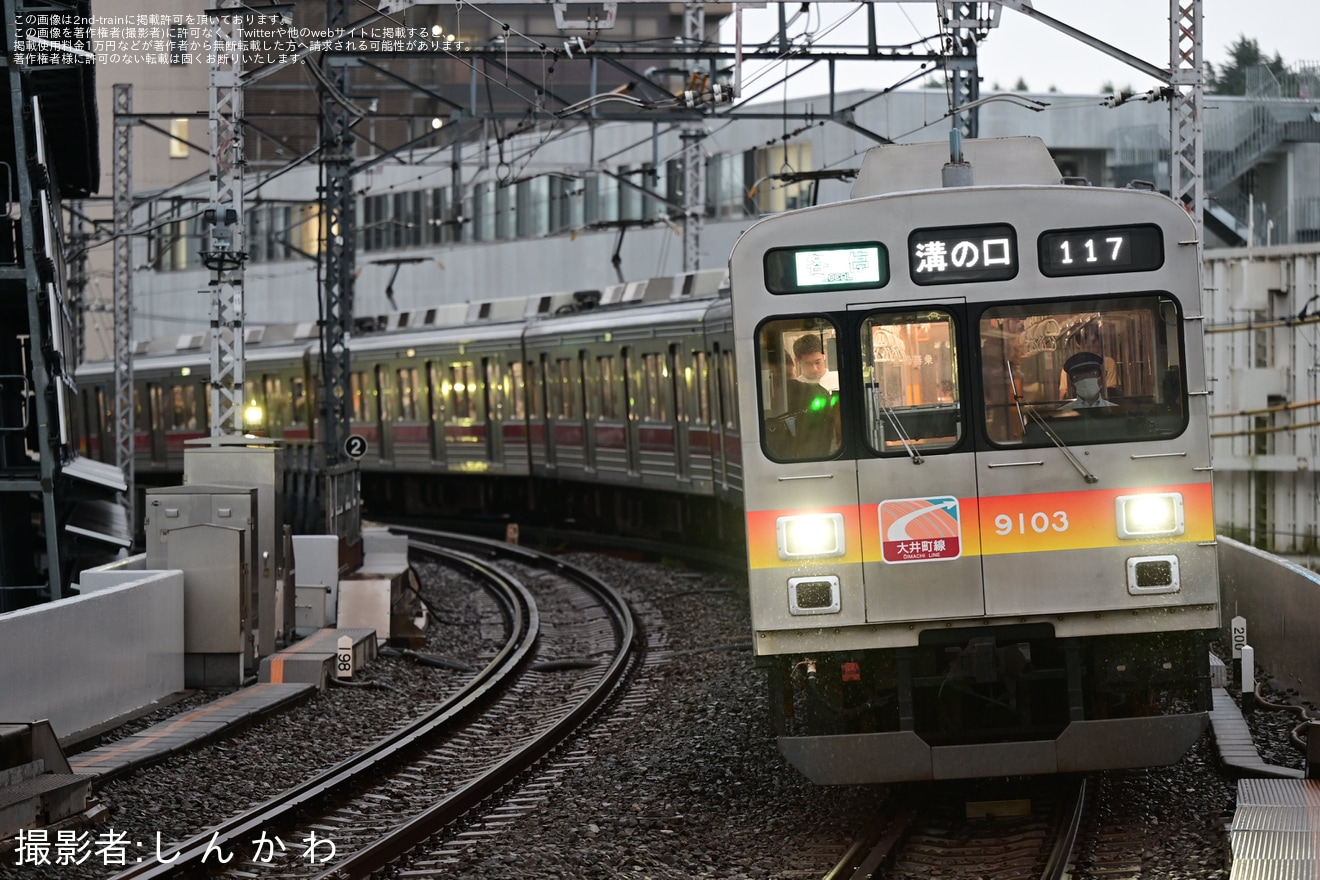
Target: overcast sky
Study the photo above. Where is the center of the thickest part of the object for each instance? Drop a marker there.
(1043, 57)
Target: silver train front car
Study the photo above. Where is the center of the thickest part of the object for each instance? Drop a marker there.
(981, 541)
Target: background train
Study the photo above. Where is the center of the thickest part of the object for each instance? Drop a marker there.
(956, 570)
(500, 405)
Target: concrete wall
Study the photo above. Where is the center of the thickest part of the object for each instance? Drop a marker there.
(85, 660)
(1265, 370)
(1281, 603)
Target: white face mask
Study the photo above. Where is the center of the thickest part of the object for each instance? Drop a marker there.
(1088, 388)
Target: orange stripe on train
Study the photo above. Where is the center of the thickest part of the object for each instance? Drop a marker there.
(1033, 523)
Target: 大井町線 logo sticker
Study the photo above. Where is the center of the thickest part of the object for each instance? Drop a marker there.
(920, 529)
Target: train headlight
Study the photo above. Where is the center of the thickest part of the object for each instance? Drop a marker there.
(816, 534)
(253, 414)
(1156, 515)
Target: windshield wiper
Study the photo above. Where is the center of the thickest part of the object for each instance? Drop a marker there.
(1044, 426)
(898, 426)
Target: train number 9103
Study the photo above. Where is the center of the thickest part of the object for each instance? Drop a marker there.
(1039, 522)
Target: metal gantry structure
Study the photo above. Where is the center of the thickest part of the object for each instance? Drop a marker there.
(964, 25)
(223, 235)
(694, 168)
(338, 221)
(122, 193)
(1186, 110)
(1183, 87)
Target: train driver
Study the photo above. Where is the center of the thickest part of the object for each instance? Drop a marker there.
(812, 403)
(1085, 372)
(1088, 339)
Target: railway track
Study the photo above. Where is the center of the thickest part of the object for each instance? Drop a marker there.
(940, 834)
(569, 641)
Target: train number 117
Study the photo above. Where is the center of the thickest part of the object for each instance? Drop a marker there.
(1089, 246)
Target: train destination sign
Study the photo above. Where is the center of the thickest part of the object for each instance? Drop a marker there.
(959, 254)
(1101, 250)
(857, 266)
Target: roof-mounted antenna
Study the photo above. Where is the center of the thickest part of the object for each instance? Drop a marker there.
(958, 171)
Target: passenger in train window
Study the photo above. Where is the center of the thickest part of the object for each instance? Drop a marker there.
(1085, 371)
(812, 405)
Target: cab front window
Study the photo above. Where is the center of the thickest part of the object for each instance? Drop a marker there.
(799, 384)
(909, 372)
(1102, 370)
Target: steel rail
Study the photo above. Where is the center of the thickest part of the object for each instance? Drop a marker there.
(524, 629)
(873, 853)
(405, 837)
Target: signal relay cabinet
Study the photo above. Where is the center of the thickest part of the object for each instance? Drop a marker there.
(220, 593)
(255, 462)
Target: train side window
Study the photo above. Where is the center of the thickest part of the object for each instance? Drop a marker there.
(251, 400)
(462, 378)
(495, 388)
(358, 390)
(535, 393)
(297, 400)
(435, 391)
(276, 405)
(476, 410)
(384, 396)
(910, 375)
(654, 373)
(105, 409)
(518, 390)
(701, 387)
(552, 389)
(607, 407)
(1134, 387)
(183, 409)
(408, 385)
(728, 402)
(587, 394)
(156, 406)
(564, 396)
(680, 384)
(798, 386)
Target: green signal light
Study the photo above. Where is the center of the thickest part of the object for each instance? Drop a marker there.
(817, 404)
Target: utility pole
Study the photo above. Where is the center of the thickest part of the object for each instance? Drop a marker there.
(337, 221)
(694, 168)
